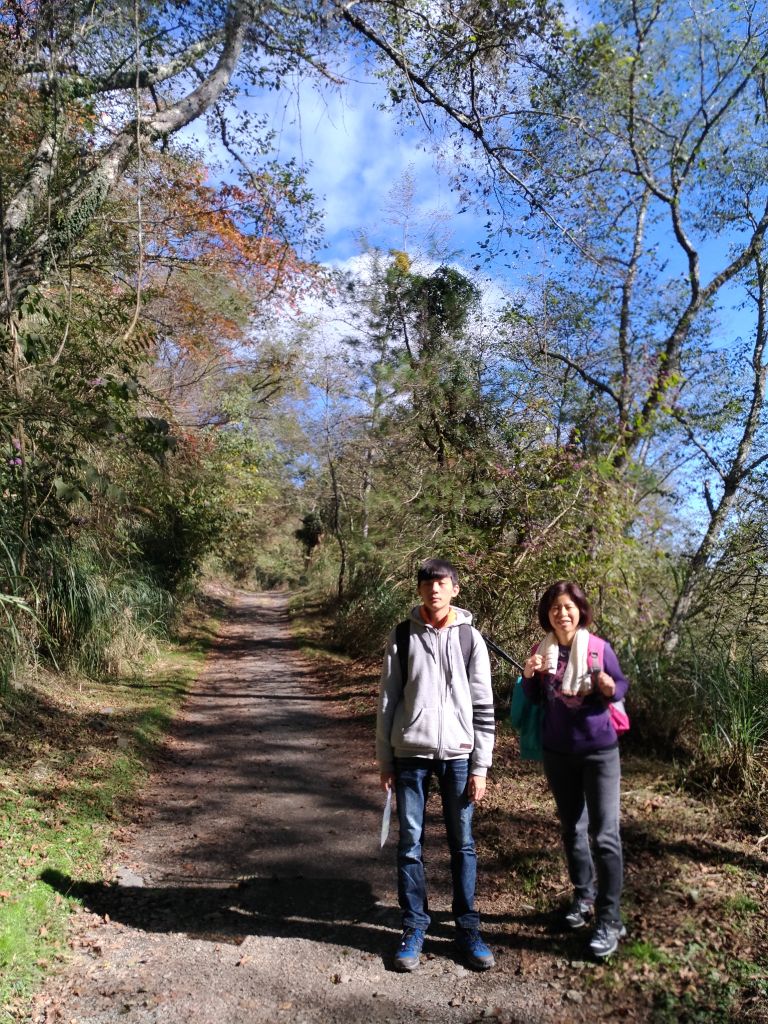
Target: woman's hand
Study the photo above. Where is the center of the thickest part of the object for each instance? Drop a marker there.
(534, 664)
(605, 684)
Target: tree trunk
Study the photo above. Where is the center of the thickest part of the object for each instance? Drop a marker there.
(739, 470)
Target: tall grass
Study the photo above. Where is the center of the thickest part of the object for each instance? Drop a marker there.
(659, 700)
(76, 608)
(14, 645)
(18, 621)
(97, 615)
(370, 609)
(732, 748)
(709, 709)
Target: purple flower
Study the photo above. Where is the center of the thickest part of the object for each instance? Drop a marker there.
(16, 443)
(15, 462)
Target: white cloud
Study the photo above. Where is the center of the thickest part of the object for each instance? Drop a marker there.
(358, 154)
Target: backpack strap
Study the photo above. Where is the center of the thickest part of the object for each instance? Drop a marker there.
(403, 642)
(616, 708)
(465, 641)
(596, 645)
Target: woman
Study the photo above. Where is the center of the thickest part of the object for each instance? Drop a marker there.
(576, 675)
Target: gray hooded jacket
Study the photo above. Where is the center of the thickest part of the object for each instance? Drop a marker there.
(442, 712)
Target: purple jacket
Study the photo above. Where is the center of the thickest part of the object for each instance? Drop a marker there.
(575, 725)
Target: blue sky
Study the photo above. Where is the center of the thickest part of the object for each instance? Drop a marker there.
(357, 153)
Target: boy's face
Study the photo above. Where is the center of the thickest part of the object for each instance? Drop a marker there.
(436, 595)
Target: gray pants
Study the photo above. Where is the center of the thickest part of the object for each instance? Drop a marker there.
(586, 788)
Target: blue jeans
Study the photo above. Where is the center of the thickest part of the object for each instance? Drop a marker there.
(412, 777)
(586, 788)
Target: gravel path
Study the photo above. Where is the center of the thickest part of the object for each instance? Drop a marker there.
(250, 887)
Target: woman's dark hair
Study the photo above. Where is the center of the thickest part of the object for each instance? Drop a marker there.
(576, 594)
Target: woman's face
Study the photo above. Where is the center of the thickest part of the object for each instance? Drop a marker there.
(564, 618)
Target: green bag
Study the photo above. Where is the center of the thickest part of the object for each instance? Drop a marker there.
(526, 719)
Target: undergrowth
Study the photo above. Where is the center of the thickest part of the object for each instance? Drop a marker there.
(72, 756)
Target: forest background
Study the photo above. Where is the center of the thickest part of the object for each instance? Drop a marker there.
(188, 388)
(575, 388)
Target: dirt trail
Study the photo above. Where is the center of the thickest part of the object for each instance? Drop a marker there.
(251, 887)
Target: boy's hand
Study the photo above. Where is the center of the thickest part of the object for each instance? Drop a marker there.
(476, 788)
(387, 781)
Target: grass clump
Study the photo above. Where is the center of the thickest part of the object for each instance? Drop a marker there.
(733, 747)
(733, 992)
(644, 952)
(370, 609)
(707, 710)
(97, 616)
(742, 906)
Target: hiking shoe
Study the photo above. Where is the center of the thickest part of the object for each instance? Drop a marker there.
(579, 914)
(407, 953)
(473, 949)
(605, 938)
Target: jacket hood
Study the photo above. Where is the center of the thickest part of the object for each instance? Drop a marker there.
(462, 615)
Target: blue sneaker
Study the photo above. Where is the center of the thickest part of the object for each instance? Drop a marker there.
(407, 953)
(473, 949)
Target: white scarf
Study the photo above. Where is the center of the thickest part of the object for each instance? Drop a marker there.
(576, 678)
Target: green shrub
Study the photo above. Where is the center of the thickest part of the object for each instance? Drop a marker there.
(371, 606)
(659, 701)
(731, 751)
(96, 615)
(18, 622)
(175, 541)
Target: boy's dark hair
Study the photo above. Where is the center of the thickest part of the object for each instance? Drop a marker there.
(436, 569)
(576, 594)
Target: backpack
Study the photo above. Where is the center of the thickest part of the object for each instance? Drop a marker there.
(403, 641)
(616, 709)
(526, 719)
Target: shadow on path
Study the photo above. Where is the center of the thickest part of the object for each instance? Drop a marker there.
(337, 910)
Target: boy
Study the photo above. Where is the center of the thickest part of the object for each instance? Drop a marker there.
(439, 721)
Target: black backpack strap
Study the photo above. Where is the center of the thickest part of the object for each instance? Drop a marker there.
(465, 639)
(403, 641)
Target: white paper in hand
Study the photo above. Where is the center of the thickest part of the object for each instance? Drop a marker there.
(386, 817)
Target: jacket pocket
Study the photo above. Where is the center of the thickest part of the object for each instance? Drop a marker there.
(458, 734)
(421, 732)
